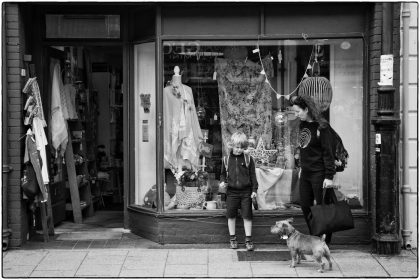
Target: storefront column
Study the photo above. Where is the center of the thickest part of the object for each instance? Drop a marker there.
(386, 239)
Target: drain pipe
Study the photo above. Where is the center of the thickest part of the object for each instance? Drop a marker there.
(405, 190)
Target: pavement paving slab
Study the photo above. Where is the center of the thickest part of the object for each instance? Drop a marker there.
(272, 269)
(222, 256)
(197, 256)
(53, 273)
(23, 258)
(354, 264)
(18, 271)
(99, 270)
(234, 269)
(186, 270)
(403, 265)
(146, 272)
(140, 264)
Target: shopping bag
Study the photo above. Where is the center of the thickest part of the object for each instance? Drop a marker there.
(327, 218)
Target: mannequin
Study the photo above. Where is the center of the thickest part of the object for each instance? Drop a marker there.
(182, 133)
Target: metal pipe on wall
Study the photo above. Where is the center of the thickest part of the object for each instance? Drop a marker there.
(405, 190)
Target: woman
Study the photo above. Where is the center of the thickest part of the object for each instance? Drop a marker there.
(316, 156)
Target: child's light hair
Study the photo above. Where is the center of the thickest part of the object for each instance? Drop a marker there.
(239, 138)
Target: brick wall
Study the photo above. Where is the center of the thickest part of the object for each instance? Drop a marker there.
(14, 59)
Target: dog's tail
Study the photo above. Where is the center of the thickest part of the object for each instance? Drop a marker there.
(323, 237)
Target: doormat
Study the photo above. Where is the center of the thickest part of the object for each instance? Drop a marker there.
(261, 256)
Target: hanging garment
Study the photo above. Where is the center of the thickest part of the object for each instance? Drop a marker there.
(32, 87)
(41, 142)
(70, 95)
(58, 123)
(182, 132)
(244, 98)
(32, 155)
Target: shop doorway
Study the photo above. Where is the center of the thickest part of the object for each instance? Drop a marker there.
(87, 190)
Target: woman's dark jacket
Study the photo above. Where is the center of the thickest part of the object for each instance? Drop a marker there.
(316, 151)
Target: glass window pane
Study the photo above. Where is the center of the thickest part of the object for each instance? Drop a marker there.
(229, 86)
(145, 125)
(83, 26)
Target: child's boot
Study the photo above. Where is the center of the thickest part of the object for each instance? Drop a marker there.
(249, 244)
(233, 242)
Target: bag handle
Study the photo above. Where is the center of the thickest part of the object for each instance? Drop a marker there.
(333, 196)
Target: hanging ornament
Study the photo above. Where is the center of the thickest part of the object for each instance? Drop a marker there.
(280, 118)
(319, 88)
(201, 113)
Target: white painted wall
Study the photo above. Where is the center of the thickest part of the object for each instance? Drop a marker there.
(145, 152)
(410, 143)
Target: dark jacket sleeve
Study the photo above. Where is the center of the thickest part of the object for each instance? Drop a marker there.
(326, 138)
(223, 173)
(253, 175)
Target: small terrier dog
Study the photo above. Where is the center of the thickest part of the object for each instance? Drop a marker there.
(300, 244)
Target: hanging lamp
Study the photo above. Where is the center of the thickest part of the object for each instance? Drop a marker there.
(319, 88)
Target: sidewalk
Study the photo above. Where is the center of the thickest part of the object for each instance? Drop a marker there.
(137, 257)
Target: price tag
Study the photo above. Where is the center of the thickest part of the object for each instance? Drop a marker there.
(378, 139)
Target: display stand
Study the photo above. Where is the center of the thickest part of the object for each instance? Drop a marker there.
(80, 191)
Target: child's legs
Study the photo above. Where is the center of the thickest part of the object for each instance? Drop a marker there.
(231, 225)
(246, 212)
(248, 227)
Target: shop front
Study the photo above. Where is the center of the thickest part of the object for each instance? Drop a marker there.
(185, 77)
(217, 69)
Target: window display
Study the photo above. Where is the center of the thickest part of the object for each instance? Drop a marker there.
(223, 87)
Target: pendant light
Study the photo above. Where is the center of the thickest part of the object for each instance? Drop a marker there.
(319, 88)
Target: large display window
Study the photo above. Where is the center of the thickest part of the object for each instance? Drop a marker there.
(212, 89)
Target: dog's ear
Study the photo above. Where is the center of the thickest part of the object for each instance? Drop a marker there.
(290, 220)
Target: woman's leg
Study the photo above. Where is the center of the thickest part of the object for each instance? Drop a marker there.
(306, 197)
(317, 183)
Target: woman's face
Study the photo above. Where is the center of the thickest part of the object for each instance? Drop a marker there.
(302, 114)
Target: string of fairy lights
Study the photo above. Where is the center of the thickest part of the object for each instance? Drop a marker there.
(278, 95)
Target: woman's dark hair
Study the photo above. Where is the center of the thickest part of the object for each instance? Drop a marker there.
(305, 101)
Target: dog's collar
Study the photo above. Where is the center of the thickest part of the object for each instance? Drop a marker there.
(291, 233)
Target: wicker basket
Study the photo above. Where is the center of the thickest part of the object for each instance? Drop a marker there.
(189, 195)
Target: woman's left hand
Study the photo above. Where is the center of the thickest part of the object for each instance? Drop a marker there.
(327, 183)
(253, 194)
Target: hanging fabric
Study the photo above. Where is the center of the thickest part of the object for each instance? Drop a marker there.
(58, 123)
(32, 154)
(31, 87)
(182, 133)
(244, 98)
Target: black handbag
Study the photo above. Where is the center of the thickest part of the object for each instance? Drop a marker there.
(328, 218)
(29, 182)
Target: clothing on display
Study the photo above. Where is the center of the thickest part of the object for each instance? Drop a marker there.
(58, 123)
(182, 133)
(69, 94)
(34, 101)
(35, 118)
(244, 98)
(32, 154)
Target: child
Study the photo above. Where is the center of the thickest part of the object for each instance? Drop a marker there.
(238, 175)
